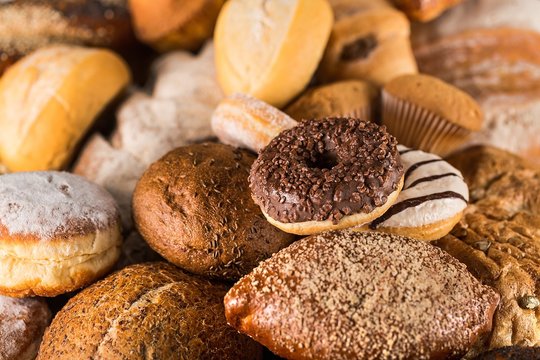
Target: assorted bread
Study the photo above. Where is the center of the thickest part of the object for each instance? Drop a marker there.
(277, 179)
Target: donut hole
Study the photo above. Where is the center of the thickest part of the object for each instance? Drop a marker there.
(325, 160)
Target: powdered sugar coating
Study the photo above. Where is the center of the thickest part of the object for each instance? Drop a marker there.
(361, 296)
(46, 204)
(22, 322)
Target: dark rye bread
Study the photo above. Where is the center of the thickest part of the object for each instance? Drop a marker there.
(350, 295)
(26, 25)
(499, 238)
(193, 207)
(146, 311)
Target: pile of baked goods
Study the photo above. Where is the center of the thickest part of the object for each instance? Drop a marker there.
(240, 179)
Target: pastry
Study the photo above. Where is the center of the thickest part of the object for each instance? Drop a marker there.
(49, 99)
(116, 170)
(22, 324)
(174, 24)
(511, 353)
(424, 10)
(149, 127)
(371, 45)
(499, 239)
(58, 232)
(194, 208)
(427, 114)
(26, 25)
(354, 295)
(350, 98)
(243, 121)
(148, 311)
(327, 174)
(431, 202)
(270, 49)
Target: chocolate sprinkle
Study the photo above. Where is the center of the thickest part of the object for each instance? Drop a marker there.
(326, 169)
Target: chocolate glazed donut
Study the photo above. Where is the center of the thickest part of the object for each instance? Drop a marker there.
(327, 174)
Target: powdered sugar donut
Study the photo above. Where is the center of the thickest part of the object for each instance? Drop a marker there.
(244, 121)
(58, 232)
(432, 201)
(22, 324)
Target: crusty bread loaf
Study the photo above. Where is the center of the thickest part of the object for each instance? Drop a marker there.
(270, 49)
(148, 311)
(49, 99)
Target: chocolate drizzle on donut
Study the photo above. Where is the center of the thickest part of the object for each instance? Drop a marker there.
(326, 169)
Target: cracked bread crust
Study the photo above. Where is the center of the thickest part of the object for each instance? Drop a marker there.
(499, 239)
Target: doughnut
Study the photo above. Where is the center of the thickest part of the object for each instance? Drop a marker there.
(370, 44)
(193, 207)
(243, 121)
(270, 49)
(147, 311)
(50, 98)
(351, 98)
(22, 324)
(26, 25)
(171, 24)
(349, 295)
(326, 174)
(58, 232)
(432, 200)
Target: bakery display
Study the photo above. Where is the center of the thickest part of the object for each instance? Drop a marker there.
(194, 208)
(498, 238)
(368, 44)
(27, 25)
(175, 24)
(432, 200)
(350, 98)
(327, 174)
(58, 233)
(425, 10)
(425, 113)
(354, 295)
(246, 122)
(288, 35)
(152, 310)
(49, 99)
(255, 143)
(22, 324)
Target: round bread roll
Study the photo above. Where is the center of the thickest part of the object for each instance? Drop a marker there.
(352, 98)
(346, 295)
(270, 49)
(22, 324)
(26, 25)
(58, 232)
(49, 99)
(193, 207)
(147, 311)
(175, 24)
(370, 44)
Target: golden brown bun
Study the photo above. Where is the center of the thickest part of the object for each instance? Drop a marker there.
(194, 207)
(243, 121)
(371, 45)
(350, 98)
(174, 24)
(270, 49)
(22, 324)
(349, 221)
(346, 295)
(152, 310)
(58, 232)
(499, 239)
(49, 99)
(424, 10)
(26, 25)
